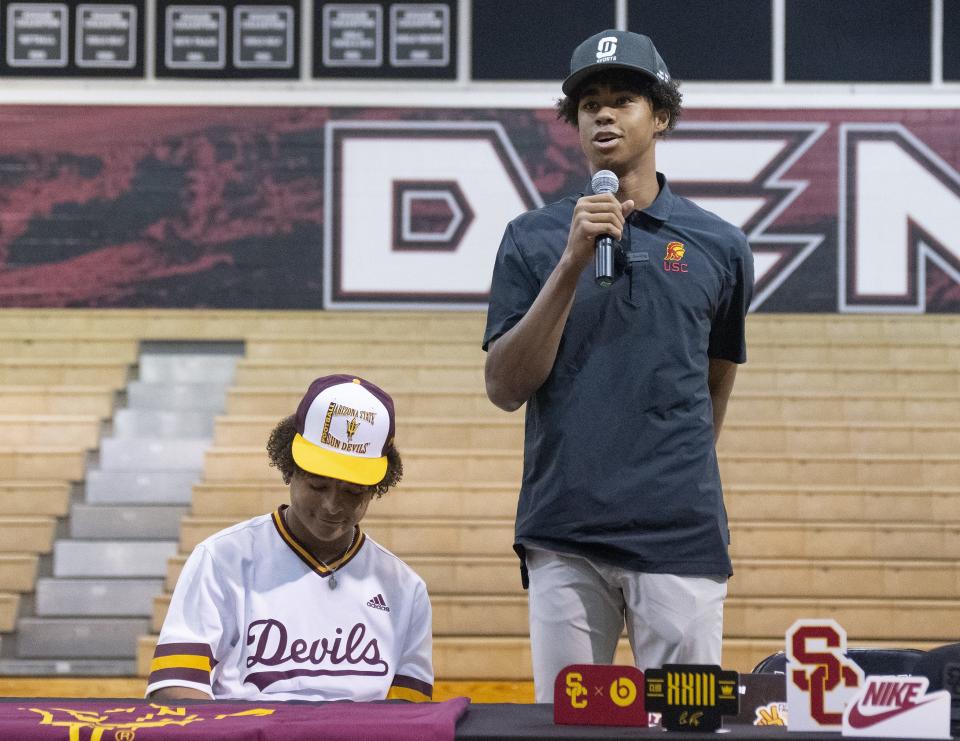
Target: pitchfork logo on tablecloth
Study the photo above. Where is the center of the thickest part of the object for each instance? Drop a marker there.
(125, 721)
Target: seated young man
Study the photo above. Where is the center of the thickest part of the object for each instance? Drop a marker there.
(301, 604)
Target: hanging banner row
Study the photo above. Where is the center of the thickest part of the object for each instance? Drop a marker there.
(374, 40)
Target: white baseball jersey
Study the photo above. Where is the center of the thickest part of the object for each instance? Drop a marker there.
(253, 617)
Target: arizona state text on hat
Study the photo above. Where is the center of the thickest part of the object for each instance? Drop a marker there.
(345, 426)
(339, 410)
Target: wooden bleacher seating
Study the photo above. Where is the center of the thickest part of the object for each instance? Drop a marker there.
(57, 387)
(839, 458)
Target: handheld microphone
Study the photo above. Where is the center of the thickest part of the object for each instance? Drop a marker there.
(605, 181)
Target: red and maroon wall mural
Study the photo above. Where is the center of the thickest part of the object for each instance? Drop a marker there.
(308, 207)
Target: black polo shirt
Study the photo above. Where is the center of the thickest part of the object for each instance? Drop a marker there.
(619, 459)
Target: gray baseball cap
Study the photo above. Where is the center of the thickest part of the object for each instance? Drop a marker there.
(612, 49)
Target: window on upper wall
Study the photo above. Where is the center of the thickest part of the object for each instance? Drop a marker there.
(854, 41)
(729, 40)
(951, 40)
(533, 39)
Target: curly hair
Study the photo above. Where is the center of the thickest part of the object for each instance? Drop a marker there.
(280, 451)
(663, 96)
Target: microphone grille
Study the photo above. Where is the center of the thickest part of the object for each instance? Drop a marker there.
(605, 181)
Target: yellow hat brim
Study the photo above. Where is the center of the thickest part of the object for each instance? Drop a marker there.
(351, 468)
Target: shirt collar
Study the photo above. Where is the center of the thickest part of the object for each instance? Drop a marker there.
(662, 205)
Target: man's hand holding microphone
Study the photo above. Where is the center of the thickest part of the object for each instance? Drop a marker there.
(597, 225)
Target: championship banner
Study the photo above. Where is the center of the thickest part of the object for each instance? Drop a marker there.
(78, 39)
(119, 720)
(316, 207)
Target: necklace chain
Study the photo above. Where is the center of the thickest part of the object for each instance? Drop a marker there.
(331, 576)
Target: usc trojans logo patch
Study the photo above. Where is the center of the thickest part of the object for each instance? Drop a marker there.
(675, 251)
(673, 256)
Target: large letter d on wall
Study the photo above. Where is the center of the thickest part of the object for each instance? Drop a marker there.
(415, 211)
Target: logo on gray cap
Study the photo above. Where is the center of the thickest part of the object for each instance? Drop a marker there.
(607, 49)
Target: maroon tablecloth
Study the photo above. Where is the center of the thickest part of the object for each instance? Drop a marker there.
(124, 720)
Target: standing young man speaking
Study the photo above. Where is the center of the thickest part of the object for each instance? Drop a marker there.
(621, 514)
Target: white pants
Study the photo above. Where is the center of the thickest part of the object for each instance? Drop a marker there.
(577, 612)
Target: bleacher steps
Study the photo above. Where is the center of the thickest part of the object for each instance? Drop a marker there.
(213, 324)
(243, 499)
(418, 465)
(320, 349)
(80, 638)
(753, 577)
(855, 578)
(35, 497)
(404, 537)
(135, 487)
(876, 619)
(18, 572)
(162, 423)
(30, 674)
(874, 352)
(245, 324)
(821, 469)
(37, 461)
(59, 346)
(749, 538)
(452, 372)
(744, 617)
(503, 433)
(836, 503)
(849, 379)
(56, 372)
(433, 373)
(60, 430)
(111, 558)
(504, 466)
(753, 406)
(129, 522)
(899, 329)
(9, 603)
(96, 597)
(279, 402)
(858, 540)
(52, 400)
(105, 575)
(183, 396)
(508, 659)
(152, 453)
(506, 433)
(190, 368)
(26, 534)
(776, 502)
(840, 438)
(808, 406)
